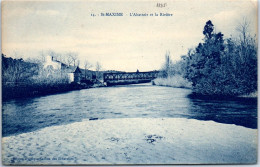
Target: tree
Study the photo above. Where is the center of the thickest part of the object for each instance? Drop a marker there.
(41, 57)
(206, 57)
(87, 66)
(15, 71)
(246, 57)
(166, 68)
(98, 68)
(242, 29)
(208, 30)
(53, 54)
(77, 63)
(72, 56)
(223, 67)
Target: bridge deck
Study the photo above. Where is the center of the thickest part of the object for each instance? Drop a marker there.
(126, 76)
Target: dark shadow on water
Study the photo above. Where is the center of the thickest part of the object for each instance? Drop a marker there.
(222, 98)
(223, 109)
(133, 85)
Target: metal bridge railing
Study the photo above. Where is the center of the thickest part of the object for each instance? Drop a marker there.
(130, 76)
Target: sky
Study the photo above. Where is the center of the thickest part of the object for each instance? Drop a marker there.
(125, 43)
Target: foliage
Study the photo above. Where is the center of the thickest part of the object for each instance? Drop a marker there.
(50, 77)
(25, 79)
(176, 81)
(172, 73)
(223, 67)
(15, 71)
(217, 66)
(18, 72)
(206, 57)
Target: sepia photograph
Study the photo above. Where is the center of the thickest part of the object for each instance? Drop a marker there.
(142, 82)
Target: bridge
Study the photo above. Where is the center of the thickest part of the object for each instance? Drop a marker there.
(129, 77)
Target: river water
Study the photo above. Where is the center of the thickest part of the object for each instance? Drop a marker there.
(132, 101)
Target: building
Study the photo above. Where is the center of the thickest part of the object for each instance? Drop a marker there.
(74, 73)
(54, 64)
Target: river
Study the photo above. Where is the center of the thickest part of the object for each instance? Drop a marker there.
(132, 101)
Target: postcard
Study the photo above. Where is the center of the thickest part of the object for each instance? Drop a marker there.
(143, 82)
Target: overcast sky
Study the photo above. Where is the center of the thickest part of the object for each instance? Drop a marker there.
(118, 43)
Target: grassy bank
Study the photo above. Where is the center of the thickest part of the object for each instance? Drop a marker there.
(176, 81)
(251, 95)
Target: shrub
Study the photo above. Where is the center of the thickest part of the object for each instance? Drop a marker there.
(173, 81)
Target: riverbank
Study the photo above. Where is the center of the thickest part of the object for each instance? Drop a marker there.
(180, 82)
(27, 91)
(250, 95)
(14, 92)
(134, 141)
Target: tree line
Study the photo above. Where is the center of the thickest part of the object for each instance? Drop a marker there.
(219, 66)
(26, 78)
(20, 70)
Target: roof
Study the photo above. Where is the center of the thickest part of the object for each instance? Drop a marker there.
(72, 69)
(87, 71)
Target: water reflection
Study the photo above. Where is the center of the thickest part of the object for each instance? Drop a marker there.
(135, 101)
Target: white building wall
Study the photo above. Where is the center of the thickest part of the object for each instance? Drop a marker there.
(50, 62)
(71, 77)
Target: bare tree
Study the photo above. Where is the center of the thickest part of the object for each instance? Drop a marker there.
(72, 58)
(34, 60)
(41, 57)
(87, 65)
(55, 55)
(77, 63)
(243, 29)
(63, 58)
(98, 68)
(59, 57)
(245, 39)
(52, 54)
(16, 70)
(167, 64)
(67, 59)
